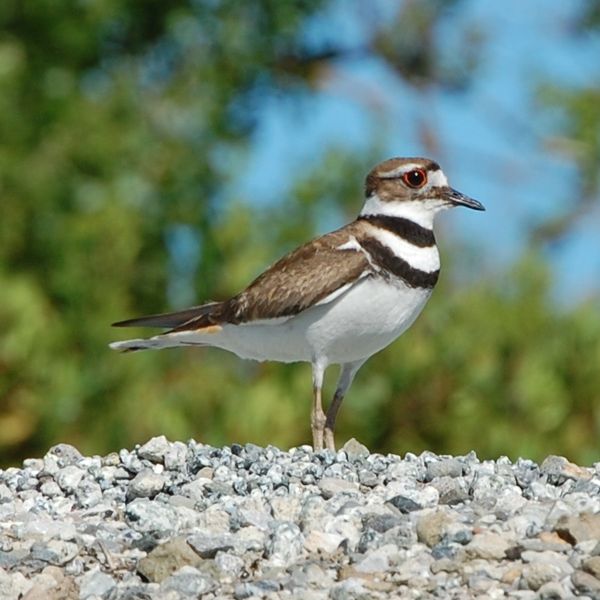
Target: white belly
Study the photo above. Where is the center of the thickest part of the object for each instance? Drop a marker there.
(354, 326)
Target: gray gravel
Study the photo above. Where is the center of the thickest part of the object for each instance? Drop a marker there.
(171, 520)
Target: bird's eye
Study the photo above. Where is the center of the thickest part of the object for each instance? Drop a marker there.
(415, 179)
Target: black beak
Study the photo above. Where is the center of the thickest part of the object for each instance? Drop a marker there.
(458, 199)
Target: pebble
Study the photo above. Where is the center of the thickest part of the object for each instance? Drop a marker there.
(146, 484)
(331, 486)
(55, 552)
(96, 584)
(188, 582)
(155, 450)
(69, 478)
(178, 520)
(579, 528)
(166, 558)
(207, 546)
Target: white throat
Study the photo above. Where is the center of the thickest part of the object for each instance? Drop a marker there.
(422, 213)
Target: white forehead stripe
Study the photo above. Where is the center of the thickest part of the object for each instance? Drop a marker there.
(437, 179)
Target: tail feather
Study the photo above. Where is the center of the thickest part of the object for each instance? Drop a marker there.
(170, 320)
(137, 344)
(158, 342)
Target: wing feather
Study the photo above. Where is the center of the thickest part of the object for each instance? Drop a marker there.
(171, 319)
(313, 274)
(310, 275)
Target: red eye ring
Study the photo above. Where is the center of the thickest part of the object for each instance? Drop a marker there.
(416, 178)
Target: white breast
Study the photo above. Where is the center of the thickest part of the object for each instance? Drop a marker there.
(366, 319)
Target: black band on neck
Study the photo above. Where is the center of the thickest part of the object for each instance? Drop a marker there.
(408, 230)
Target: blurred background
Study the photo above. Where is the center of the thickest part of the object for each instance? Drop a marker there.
(155, 155)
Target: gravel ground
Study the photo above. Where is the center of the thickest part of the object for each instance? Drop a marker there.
(173, 520)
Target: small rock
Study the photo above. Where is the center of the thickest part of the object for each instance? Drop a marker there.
(585, 583)
(577, 529)
(188, 582)
(488, 545)
(146, 484)
(155, 449)
(381, 522)
(152, 517)
(176, 456)
(33, 465)
(535, 575)
(376, 561)
(285, 544)
(207, 546)
(432, 526)
(355, 450)
(558, 469)
(330, 486)
(44, 587)
(447, 467)
(559, 562)
(352, 588)
(404, 504)
(69, 478)
(229, 564)
(65, 455)
(88, 493)
(367, 478)
(592, 565)
(321, 542)
(111, 460)
(256, 589)
(249, 539)
(511, 574)
(167, 558)
(96, 584)
(552, 591)
(5, 494)
(452, 490)
(13, 586)
(50, 489)
(457, 533)
(55, 552)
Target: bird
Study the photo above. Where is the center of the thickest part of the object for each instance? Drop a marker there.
(336, 300)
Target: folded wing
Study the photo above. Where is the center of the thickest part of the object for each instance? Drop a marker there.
(315, 273)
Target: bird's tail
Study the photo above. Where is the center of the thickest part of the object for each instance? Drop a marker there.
(158, 342)
(186, 327)
(154, 343)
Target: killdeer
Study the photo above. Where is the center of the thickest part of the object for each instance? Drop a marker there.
(338, 299)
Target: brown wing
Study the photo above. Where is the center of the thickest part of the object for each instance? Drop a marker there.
(297, 281)
(301, 279)
(170, 320)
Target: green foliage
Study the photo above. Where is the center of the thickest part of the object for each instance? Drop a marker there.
(122, 127)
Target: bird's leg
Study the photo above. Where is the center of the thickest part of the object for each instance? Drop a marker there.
(317, 420)
(347, 373)
(317, 417)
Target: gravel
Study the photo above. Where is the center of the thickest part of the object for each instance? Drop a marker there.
(171, 520)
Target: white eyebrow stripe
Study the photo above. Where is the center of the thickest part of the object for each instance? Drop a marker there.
(399, 170)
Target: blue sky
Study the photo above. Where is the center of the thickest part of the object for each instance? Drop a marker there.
(493, 138)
